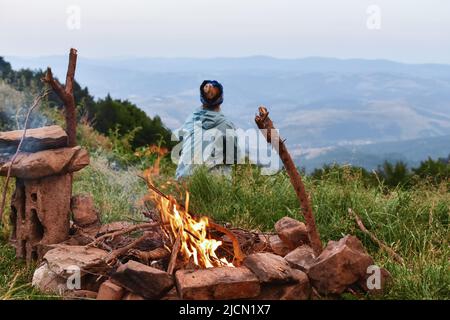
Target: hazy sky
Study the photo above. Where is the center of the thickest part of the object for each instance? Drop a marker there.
(410, 30)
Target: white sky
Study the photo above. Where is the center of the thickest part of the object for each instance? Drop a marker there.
(411, 30)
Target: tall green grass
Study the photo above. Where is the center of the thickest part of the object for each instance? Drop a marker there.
(413, 222)
(116, 192)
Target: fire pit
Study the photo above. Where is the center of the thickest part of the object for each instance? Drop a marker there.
(175, 254)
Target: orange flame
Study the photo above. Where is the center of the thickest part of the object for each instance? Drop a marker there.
(195, 243)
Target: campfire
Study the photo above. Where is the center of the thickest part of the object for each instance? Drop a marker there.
(188, 235)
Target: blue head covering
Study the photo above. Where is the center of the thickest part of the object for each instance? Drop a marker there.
(216, 100)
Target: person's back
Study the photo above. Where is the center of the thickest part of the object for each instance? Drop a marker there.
(208, 137)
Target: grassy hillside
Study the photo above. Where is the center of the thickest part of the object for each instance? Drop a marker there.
(413, 221)
(408, 210)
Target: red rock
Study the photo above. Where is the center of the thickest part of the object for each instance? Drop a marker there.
(110, 291)
(40, 214)
(47, 281)
(62, 258)
(269, 267)
(132, 296)
(217, 283)
(341, 264)
(301, 258)
(81, 294)
(171, 295)
(83, 210)
(300, 289)
(43, 138)
(114, 226)
(151, 283)
(278, 247)
(292, 232)
(47, 163)
(262, 243)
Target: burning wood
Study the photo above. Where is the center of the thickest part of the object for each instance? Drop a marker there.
(188, 233)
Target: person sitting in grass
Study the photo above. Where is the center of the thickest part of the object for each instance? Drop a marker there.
(207, 137)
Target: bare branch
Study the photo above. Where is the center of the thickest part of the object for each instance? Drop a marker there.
(381, 244)
(271, 134)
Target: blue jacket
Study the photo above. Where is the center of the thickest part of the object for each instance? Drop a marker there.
(205, 136)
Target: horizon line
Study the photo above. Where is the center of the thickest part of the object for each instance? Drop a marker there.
(128, 57)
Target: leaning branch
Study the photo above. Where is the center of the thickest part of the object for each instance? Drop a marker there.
(380, 243)
(266, 126)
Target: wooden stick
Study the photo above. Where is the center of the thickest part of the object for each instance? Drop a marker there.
(66, 95)
(236, 246)
(36, 102)
(123, 250)
(174, 254)
(239, 255)
(381, 244)
(155, 254)
(265, 124)
(114, 234)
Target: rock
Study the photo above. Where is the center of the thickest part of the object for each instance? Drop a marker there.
(262, 244)
(114, 226)
(217, 283)
(110, 291)
(50, 137)
(292, 232)
(171, 295)
(278, 247)
(63, 258)
(269, 268)
(132, 296)
(47, 281)
(40, 214)
(341, 264)
(47, 163)
(81, 294)
(301, 258)
(83, 210)
(151, 283)
(300, 289)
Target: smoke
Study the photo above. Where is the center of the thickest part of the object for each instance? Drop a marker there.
(14, 106)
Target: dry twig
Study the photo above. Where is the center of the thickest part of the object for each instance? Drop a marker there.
(174, 254)
(155, 254)
(380, 243)
(123, 250)
(113, 234)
